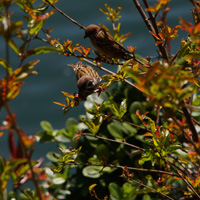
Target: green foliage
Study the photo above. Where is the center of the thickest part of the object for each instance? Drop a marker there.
(138, 139)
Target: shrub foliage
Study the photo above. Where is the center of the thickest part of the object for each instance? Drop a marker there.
(138, 139)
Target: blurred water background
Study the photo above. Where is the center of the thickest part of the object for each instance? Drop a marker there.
(35, 101)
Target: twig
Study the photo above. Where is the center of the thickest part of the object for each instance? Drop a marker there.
(100, 67)
(152, 18)
(188, 184)
(176, 168)
(61, 12)
(175, 56)
(190, 172)
(157, 115)
(141, 184)
(150, 27)
(111, 140)
(123, 167)
(145, 18)
(190, 123)
(134, 125)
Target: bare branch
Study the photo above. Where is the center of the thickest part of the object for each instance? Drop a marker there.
(150, 27)
(61, 12)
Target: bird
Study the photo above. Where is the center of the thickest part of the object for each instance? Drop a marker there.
(106, 44)
(87, 78)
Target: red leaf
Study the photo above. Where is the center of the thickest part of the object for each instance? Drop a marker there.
(11, 139)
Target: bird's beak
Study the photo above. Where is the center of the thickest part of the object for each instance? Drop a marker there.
(85, 36)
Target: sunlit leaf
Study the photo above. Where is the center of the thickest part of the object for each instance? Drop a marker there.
(42, 50)
(123, 108)
(68, 95)
(6, 65)
(92, 187)
(60, 104)
(14, 46)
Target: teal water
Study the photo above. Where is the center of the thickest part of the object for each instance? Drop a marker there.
(35, 102)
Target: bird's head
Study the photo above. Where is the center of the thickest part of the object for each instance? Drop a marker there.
(86, 85)
(91, 30)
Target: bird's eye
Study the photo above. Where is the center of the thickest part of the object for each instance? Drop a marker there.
(90, 83)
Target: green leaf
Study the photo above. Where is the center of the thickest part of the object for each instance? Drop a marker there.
(115, 191)
(29, 65)
(114, 108)
(102, 150)
(46, 126)
(128, 191)
(42, 50)
(15, 26)
(34, 29)
(58, 180)
(152, 124)
(6, 65)
(146, 156)
(92, 171)
(14, 46)
(12, 196)
(54, 157)
(71, 122)
(173, 148)
(132, 111)
(123, 108)
(115, 130)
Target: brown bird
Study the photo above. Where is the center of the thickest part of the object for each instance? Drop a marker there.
(87, 78)
(106, 44)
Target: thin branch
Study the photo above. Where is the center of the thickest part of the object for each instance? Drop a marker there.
(177, 169)
(186, 169)
(186, 135)
(175, 56)
(150, 27)
(194, 120)
(65, 15)
(157, 116)
(152, 18)
(134, 125)
(190, 123)
(162, 194)
(123, 167)
(111, 140)
(145, 18)
(186, 182)
(99, 66)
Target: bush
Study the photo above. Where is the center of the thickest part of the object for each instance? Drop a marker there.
(139, 136)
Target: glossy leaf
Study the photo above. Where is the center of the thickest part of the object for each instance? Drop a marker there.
(92, 171)
(123, 108)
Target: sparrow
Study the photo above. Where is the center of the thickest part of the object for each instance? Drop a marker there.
(87, 78)
(106, 44)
